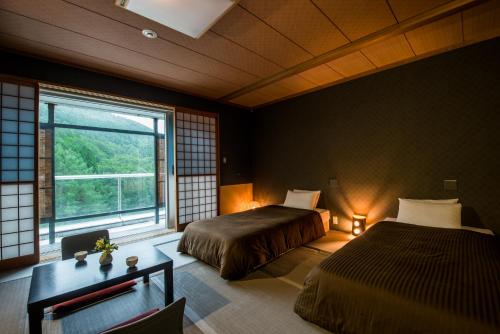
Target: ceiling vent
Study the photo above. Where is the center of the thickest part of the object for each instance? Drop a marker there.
(190, 17)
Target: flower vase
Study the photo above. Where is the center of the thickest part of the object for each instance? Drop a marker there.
(105, 259)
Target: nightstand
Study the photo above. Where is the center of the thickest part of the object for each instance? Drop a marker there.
(325, 217)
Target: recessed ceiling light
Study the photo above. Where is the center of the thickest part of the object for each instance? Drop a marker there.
(149, 33)
(190, 17)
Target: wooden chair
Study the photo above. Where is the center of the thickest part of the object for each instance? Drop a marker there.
(81, 242)
(166, 321)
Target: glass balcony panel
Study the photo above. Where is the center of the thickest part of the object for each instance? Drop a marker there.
(138, 192)
(85, 197)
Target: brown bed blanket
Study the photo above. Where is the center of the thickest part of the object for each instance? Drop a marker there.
(401, 278)
(239, 243)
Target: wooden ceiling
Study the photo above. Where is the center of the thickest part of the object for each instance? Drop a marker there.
(262, 51)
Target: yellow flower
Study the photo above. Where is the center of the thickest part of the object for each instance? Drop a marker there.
(104, 245)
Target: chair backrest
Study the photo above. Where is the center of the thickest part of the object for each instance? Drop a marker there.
(81, 242)
(167, 321)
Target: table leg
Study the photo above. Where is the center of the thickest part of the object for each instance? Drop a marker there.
(35, 321)
(145, 279)
(169, 285)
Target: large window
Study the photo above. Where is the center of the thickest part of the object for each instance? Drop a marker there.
(98, 171)
(102, 165)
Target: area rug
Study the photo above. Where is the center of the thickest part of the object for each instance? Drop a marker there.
(90, 320)
(260, 303)
(170, 250)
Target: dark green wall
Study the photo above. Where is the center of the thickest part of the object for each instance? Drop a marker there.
(235, 144)
(397, 133)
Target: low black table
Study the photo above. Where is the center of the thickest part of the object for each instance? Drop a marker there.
(60, 281)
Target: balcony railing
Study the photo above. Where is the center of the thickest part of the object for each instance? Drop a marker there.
(118, 179)
(82, 201)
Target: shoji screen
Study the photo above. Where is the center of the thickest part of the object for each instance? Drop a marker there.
(18, 200)
(197, 166)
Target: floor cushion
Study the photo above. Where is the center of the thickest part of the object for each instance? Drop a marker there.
(93, 297)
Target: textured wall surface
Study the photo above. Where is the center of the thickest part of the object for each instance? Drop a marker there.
(234, 122)
(398, 133)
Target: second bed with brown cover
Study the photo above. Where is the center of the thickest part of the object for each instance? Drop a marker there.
(241, 242)
(402, 278)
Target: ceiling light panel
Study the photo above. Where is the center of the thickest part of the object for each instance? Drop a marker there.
(190, 17)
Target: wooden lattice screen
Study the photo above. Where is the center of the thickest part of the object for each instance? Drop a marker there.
(19, 189)
(197, 166)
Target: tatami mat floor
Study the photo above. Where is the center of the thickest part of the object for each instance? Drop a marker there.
(261, 302)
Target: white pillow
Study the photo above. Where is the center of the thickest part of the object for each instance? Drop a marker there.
(436, 201)
(430, 214)
(299, 200)
(316, 192)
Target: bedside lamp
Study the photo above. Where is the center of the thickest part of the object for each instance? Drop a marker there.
(358, 224)
(253, 205)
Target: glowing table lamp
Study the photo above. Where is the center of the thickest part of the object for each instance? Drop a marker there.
(358, 224)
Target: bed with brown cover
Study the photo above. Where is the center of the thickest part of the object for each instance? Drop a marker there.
(402, 278)
(239, 243)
